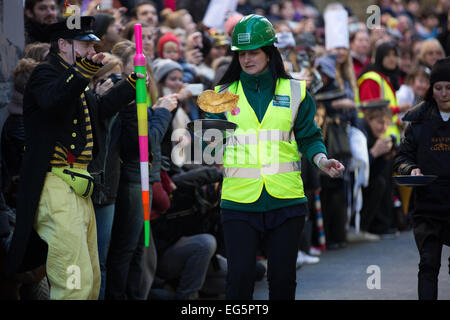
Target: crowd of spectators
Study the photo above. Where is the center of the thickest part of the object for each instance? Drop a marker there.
(390, 61)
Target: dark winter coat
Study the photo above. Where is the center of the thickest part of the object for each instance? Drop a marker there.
(51, 104)
(105, 166)
(158, 122)
(36, 32)
(426, 145)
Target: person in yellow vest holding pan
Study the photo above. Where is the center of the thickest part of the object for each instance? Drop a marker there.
(262, 191)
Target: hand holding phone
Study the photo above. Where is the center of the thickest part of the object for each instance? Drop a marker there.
(195, 88)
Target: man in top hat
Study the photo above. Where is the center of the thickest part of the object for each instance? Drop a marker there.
(54, 209)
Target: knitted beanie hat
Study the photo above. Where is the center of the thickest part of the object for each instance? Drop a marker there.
(166, 38)
(162, 67)
(440, 71)
(327, 64)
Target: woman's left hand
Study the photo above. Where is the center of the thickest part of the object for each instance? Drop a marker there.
(331, 167)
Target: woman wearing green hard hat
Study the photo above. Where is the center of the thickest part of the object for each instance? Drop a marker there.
(262, 191)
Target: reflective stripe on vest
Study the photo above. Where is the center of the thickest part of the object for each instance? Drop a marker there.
(272, 135)
(387, 94)
(266, 153)
(266, 169)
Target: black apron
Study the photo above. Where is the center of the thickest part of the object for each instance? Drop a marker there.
(432, 207)
(433, 158)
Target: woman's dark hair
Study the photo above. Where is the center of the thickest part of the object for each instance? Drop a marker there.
(428, 12)
(429, 95)
(29, 4)
(383, 50)
(276, 67)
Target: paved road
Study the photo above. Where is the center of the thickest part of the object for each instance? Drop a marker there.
(342, 274)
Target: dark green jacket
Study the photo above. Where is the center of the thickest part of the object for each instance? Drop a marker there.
(258, 91)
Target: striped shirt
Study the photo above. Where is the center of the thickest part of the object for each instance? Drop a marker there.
(60, 157)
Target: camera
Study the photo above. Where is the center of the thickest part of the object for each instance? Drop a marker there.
(115, 77)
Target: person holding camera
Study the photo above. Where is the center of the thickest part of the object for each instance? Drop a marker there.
(376, 214)
(105, 166)
(128, 259)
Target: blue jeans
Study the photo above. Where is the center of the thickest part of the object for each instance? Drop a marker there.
(124, 263)
(104, 216)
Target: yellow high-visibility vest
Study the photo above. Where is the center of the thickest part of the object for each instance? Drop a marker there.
(386, 93)
(266, 153)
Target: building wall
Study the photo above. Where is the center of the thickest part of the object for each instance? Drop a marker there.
(12, 42)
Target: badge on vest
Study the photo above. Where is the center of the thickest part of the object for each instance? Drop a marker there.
(281, 101)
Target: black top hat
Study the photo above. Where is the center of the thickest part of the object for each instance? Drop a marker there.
(65, 30)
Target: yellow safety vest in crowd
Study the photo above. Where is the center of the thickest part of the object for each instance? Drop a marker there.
(387, 94)
(266, 153)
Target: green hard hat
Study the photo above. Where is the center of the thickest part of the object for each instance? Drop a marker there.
(252, 32)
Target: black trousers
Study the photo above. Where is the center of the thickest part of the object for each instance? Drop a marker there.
(333, 199)
(376, 213)
(242, 242)
(430, 235)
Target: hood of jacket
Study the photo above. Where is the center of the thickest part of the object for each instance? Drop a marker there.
(423, 111)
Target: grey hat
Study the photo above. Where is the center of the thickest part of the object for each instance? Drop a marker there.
(327, 65)
(161, 67)
(306, 40)
(285, 40)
